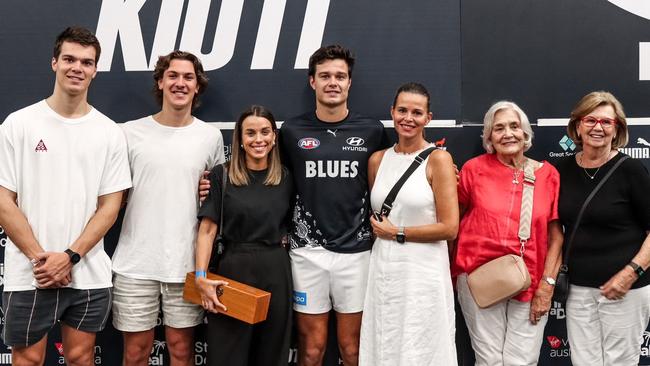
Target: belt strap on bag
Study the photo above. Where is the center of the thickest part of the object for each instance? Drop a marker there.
(224, 181)
(387, 206)
(526, 212)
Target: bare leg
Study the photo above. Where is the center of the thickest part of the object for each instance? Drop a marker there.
(348, 329)
(78, 346)
(312, 338)
(137, 347)
(180, 342)
(33, 355)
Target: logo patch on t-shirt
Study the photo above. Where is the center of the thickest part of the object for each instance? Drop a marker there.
(308, 143)
(40, 147)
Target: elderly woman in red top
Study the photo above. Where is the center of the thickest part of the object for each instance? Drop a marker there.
(489, 193)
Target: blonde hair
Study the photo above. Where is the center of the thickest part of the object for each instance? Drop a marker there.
(488, 124)
(238, 172)
(587, 105)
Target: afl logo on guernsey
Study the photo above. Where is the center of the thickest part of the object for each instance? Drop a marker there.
(308, 143)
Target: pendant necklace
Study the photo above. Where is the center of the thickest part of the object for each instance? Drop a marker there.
(592, 176)
(515, 176)
(516, 173)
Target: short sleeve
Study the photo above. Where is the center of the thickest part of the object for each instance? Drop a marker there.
(211, 207)
(217, 156)
(117, 173)
(554, 178)
(7, 158)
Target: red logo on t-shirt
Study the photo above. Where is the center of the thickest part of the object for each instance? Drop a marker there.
(41, 147)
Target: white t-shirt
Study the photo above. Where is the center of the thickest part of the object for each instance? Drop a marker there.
(160, 225)
(58, 167)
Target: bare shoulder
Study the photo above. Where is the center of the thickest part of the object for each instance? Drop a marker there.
(440, 158)
(376, 157)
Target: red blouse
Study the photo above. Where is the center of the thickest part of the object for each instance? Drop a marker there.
(490, 225)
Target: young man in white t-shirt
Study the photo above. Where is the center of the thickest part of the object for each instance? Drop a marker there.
(168, 152)
(63, 167)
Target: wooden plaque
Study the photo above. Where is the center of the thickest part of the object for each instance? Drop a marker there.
(244, 302)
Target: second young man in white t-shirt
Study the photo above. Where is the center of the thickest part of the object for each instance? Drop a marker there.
(168, 152)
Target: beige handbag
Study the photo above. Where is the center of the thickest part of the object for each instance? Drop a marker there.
(507, 276)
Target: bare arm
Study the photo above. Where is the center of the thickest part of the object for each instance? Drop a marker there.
(621, 282)
(56, 265)
(373, 166)
(542, 299)
(208, 288)
(16, 225)
(442, 177)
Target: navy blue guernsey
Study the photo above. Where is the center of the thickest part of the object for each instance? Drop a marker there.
(329, 162)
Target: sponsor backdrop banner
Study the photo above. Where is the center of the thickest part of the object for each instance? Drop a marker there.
(469, 53)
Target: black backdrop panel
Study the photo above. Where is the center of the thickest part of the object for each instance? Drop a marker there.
(469, 53)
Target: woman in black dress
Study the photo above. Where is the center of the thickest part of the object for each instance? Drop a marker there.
(255, 207)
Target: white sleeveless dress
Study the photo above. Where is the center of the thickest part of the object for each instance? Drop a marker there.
(408, 315)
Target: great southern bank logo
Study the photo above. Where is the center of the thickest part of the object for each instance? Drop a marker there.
(308, 143)
(567, 144)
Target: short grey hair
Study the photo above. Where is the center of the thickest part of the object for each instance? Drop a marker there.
(488, 123)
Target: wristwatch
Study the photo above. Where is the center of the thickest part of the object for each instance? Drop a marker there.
(549, 280)
(74, 256)
(400, 237)
(637, 268)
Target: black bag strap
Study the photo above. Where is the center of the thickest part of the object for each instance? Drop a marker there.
(565, 267)
(224, 181)
(387, 206)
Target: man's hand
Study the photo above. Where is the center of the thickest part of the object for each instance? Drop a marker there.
(204, 186)
(53, 270)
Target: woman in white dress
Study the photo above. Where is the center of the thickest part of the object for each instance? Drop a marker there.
(408, 316)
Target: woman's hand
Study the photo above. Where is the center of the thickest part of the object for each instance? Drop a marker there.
(383, 229)
(619, 284)
(208, 289)
(541, 303)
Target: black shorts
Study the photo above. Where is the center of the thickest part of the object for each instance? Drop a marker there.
(29, 315)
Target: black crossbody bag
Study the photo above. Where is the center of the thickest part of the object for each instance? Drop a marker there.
(561, 292)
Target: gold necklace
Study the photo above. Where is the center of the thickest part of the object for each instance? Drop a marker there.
(592, 176)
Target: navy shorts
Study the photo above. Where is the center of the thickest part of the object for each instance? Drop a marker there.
(29, 315)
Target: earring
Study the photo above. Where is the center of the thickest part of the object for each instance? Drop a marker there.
(241, 145)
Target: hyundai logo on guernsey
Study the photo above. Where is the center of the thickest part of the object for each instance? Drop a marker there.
(355, 144)
(300, 298)
(308, 143)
